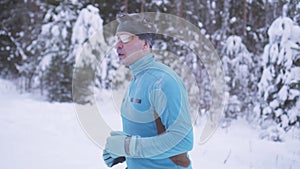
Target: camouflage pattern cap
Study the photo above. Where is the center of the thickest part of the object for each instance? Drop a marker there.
(135, 24)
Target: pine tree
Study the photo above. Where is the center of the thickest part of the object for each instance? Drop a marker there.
(16, 35)
(279, 84)
(240, 78)
(57, 79)
(89, 51)
(292, 9)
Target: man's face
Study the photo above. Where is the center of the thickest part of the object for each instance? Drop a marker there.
(129, 48)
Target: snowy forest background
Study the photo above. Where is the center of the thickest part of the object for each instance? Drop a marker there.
(258, 42)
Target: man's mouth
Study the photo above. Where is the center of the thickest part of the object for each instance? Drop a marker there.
(121, 56)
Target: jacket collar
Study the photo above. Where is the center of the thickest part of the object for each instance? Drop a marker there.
(142, 64)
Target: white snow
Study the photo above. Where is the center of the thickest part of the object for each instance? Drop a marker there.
(21, 34)
(55, 30)
(283, 93)
(280, 30)
(278, 112)
(45, 62)
(74, 1)
(37, 134)
(294, 112)
(200, 24)
(88, 23)
(213, 5)
(87, 35)
(232, 20)
(281, 52)
(274, 52)
(64, 33)
(46, 28)
(274, 104)
(158, 2)
(234, 45)
(285, 120)
(267, 110)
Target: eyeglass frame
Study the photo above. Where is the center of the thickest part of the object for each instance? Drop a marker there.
(126, 39)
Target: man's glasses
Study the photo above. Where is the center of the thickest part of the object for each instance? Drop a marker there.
(125, 38)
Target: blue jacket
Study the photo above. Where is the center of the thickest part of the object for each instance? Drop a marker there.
(156, 87)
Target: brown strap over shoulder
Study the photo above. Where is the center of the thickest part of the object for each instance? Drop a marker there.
(180, 159)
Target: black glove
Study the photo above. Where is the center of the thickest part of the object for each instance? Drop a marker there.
(111, 159)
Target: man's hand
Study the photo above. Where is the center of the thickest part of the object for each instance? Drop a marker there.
(111, 160)
(115, 143)
(120, 144)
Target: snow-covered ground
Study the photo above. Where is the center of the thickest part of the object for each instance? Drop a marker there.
(36, 134)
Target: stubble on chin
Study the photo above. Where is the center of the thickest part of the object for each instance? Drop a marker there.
(132, 58)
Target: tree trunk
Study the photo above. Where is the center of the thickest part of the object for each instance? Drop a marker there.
(143, 6)
(245, 18)
(225, 19)
(42, 82)
(267, 14)
(126, 6)
(180, 9)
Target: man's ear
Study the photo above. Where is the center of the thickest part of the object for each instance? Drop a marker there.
(146, 45)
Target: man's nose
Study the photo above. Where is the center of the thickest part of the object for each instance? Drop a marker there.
(119, 45)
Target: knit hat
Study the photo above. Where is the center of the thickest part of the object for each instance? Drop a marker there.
(135, 24)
